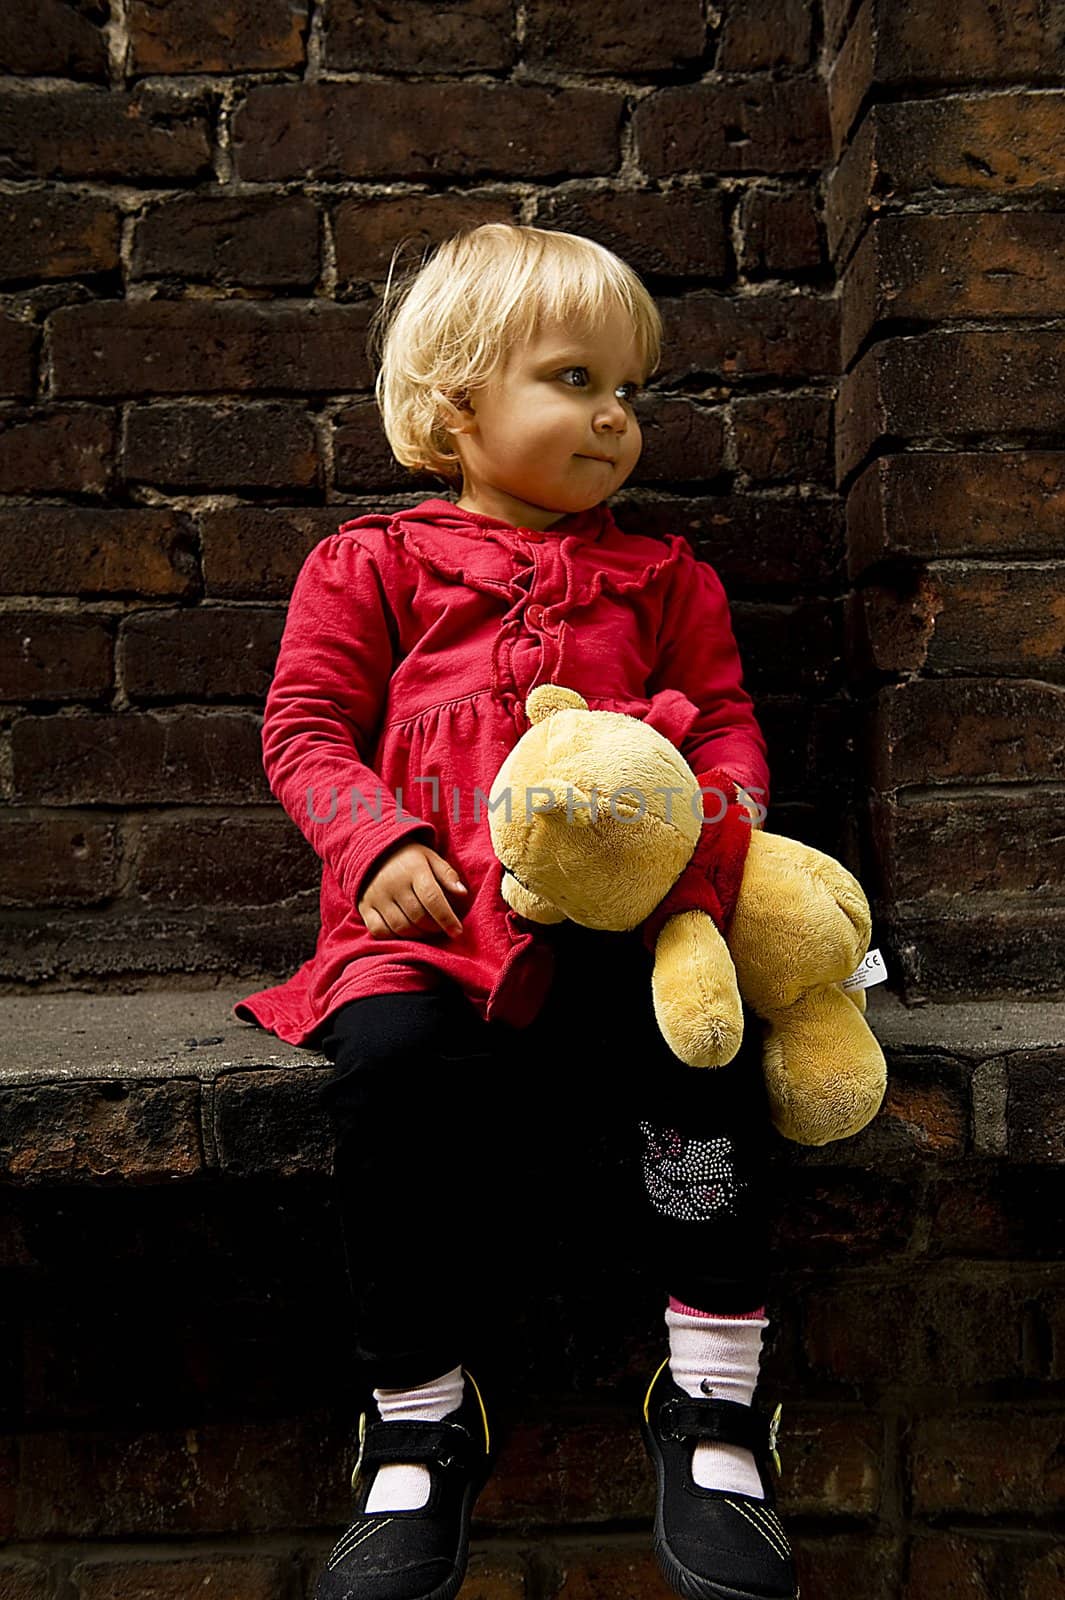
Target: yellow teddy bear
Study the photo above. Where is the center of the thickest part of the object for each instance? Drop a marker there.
(597, 817)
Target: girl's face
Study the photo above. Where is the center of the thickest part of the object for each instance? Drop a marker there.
(554, 431)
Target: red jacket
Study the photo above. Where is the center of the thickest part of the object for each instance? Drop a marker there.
(411, 643)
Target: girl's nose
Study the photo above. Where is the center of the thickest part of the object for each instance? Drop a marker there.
(611, 414)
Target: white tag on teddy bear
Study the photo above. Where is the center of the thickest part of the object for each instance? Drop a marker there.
(872, 970)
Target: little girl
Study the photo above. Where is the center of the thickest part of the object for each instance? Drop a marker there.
(465, 1039)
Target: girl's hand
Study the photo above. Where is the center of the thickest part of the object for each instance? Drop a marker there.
(407, 890)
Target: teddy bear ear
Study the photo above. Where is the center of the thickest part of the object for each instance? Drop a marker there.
(548, 698)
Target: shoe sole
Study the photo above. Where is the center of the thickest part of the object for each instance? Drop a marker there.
(679, 1577)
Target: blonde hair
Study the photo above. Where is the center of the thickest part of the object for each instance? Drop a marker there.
(451, 322)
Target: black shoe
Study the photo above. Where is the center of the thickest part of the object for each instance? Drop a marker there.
(712, 1544)
(421, 1554)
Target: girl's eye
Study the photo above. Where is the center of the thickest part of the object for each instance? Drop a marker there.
(624, 391)
(568, 370)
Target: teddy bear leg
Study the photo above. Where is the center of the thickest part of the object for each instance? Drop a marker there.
(825, 1072)
(696, 999)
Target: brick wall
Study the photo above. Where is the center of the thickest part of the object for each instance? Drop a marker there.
(197, 207)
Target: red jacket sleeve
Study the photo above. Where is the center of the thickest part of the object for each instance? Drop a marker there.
(323, 710)
(697, 654)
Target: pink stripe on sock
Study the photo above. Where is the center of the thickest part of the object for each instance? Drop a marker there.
(693, 1311)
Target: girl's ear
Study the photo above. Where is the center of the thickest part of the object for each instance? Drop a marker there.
(459, 414)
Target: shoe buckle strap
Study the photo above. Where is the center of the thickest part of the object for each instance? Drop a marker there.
(725, 1421)
(437, 1442)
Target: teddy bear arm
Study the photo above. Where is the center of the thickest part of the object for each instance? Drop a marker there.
(693, 983)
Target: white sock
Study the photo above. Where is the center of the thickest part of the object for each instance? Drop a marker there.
(404, 1486)
(717, 1358)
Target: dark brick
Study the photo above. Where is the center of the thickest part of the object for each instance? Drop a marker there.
(56, 235)
(832, 1462)
(249, 445)
(222, 860)
(784, 438)
(63, 550)
(56, 452)
(1035, 1114)
(939, 268)
(758, 126)
(682, 233)
(772, 543)
(270, 1122)
(599, 1572)
(564, 32)
(50, 38)
(979, 143)
(58, 860)
(1002, 1213)
(424, 130)
(951, 382)
(979, 730)
(148, 1577)
(216, 35)
(743, 336)
(213, 652)
(362, 456)
(96, 133)
(924, 1117)
(837, 17)
(828, 1568)
(576, 1471)
(180, 758)
(264, 241)
(683, 442)
(425, 36)
(1012, 948)
(200, 347)
(987, 1463)
(77, 1132)
(758, 35)
(49, 656)
(964, 845)
(366, 231)
(790, 647)
(834, 1217)
(971, 1568)
(18, 357)
(922, 505)
(253, 553)
(25, 1580)
(778, 231)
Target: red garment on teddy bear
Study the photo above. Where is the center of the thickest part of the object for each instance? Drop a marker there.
(711, 880)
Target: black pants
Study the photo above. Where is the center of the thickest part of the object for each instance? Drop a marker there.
(462, 1146)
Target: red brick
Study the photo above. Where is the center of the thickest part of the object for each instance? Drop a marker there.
(58, 860)
(147, 1577)
(50, 451)
(570, 1470)
(49, 656)
(782, 438)
(495, 1577)
(96, 133)
(255, 553)
(983, 730)
(1035, 1113)
(602, 1572)
(216, 35)
(980, 143)
(180, 860)
(832, 1462)
(1002, 1213)
(49, 38)
(55, 235)
(182, 757)
(964, 845)
(248, 445)
(786, 544)
(25, 1580)
(743, 336)
(778, 231)
(466, 36)
(264, 241)
(560, 33)
(922, 505)
(210, 653)
(925, 1114)
(829, 1568)
(950, 382)
(757, 126)
(366, 231)
(72, 551)
(937, 269)
(200, 347)
(760, 34)
(682, 233)
(362, 456)
(71, 1132)
(424, 130)
(836, 1217)
(996, 1563)
(989, 1463)
(837, 15)
(683, 442)
(18, 357)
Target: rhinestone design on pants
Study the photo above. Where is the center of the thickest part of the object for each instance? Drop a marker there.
(688, 1178)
